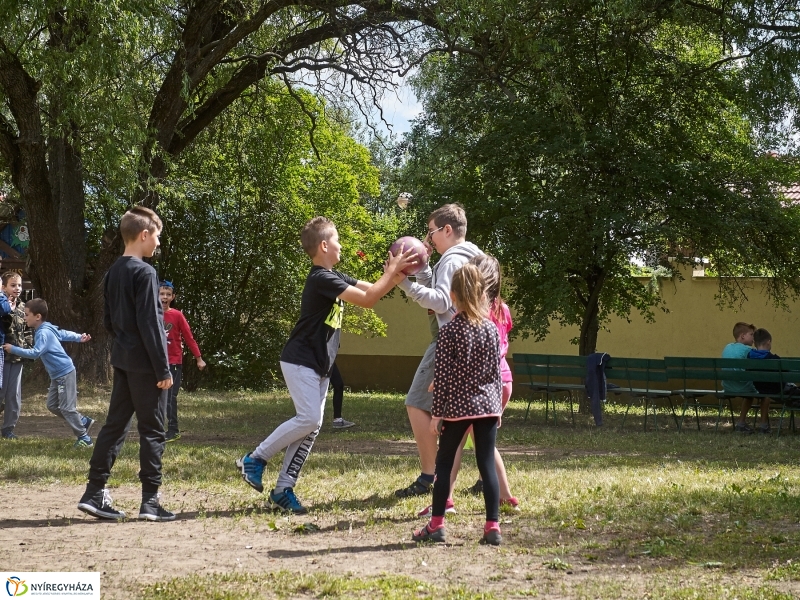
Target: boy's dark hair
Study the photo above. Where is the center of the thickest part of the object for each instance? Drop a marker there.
(761, 336)
(9, 275)
(741, 328)
(166, 284)
(137, 220)
(37, 306)
(453, 215)
(316, 231)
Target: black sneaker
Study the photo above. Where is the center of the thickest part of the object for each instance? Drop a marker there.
(151, 509)
(744, 428)
(98, 503)
(173, 436)
(477, 489)
(419, 488)
(10, 435)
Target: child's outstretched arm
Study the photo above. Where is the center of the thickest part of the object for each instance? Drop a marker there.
(188, 338)
(366, 295)
(41, 343)
(70, 336)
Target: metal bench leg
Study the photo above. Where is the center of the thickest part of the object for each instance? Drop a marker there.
(683, 415)
(547, 407)
(528, 410)
(571, 409)
(674, 414)
(630, 401)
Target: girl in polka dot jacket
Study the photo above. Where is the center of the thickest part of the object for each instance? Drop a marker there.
(467, 392)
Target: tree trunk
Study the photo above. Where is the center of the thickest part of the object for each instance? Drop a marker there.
(587, 343)
(66, 181)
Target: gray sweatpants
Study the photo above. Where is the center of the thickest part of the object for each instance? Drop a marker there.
(308, 391)
(62, 401)
(11, 394)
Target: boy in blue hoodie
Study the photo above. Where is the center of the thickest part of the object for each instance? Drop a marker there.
(62, 397)
(762, 339)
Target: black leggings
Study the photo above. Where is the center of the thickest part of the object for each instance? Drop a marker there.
(485, 432)
(337, 383)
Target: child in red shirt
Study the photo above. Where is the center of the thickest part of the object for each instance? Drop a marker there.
(178, 331)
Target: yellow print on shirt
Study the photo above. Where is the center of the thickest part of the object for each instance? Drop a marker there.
(334, 319)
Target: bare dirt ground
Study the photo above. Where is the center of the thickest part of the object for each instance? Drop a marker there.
(41, 530)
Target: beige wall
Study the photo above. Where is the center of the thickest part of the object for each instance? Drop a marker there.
(695, 326)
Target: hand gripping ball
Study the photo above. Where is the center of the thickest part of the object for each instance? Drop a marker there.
(408, 242)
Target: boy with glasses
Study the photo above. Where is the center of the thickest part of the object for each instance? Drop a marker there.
(447, 229)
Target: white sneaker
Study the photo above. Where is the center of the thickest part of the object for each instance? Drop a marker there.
(427, 512)
(342, 424)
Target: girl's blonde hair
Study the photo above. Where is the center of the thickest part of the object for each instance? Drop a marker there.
(489, 267)
(470, 295)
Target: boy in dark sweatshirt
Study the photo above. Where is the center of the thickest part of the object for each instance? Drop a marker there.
(762, 340)
(135, 320)
(62, 397)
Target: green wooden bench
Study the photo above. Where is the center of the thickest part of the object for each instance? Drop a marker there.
(644, 380)
(684, 371)
(545, 374)
(710, 372)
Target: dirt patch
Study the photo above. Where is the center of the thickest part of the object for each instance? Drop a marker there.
(41, 530)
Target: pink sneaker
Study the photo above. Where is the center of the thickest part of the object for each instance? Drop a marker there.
(510, 503)
(449, 508)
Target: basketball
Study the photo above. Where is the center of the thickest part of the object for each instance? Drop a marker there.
(408, 242)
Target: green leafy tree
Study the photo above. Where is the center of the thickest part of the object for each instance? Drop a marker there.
(233, 210)
(99, 100)
(579, 135)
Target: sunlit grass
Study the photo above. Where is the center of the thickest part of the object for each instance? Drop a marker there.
(685, 500)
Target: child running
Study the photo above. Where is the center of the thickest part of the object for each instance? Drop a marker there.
(62, 397)
(467, 391)
(178, 331)
(17, 333)
(308, 356)
(501, 317)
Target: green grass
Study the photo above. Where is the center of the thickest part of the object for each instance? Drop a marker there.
(675, 503)
(284, 584)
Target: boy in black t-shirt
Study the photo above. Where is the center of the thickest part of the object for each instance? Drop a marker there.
(307, 358)
(134, 318)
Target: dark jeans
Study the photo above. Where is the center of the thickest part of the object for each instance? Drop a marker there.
(132, 393)
(337, 383)
(485, 432)
(172, 402)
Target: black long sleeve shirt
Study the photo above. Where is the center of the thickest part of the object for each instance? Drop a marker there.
(135, 319)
